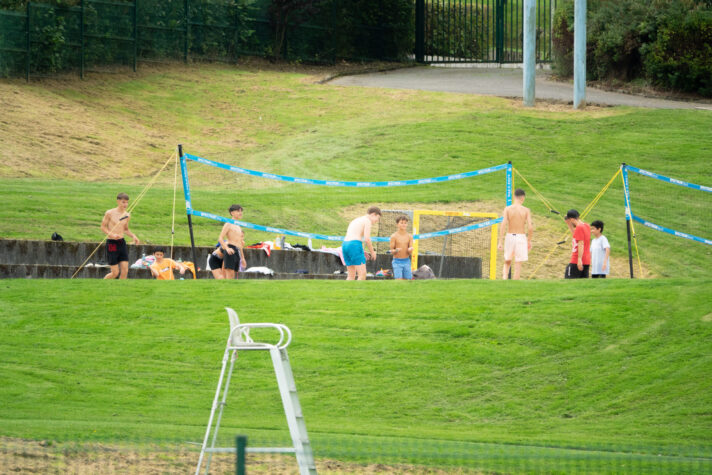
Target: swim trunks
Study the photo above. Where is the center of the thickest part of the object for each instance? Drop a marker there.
(402, 269)
(116, 251)
(353, 253)
(232, 261)
(515, 246)
(214, 262)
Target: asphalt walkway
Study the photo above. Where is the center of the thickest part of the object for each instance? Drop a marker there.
(502, 82)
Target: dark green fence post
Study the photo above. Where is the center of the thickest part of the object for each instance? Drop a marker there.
(135, 32)
(81, 42)
(240, 458)
(187, 31)
(420, 31)
(28, 24)
(499, 31)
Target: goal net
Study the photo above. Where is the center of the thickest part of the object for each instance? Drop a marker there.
(451, 252)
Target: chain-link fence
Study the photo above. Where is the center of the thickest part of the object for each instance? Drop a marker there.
(336, 453)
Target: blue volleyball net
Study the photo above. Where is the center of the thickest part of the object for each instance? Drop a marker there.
(186, 158)
(668, 205)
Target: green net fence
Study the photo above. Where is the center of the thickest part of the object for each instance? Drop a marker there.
(38, 39)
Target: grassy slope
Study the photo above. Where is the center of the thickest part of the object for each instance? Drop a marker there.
(125, 127)
(622, 364)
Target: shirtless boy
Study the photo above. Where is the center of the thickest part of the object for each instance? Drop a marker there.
(401, 249)
(517, 219)
(359, 230)
(115, 224)
(232, 242)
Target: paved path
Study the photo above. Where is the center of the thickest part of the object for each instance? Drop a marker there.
(503, 82)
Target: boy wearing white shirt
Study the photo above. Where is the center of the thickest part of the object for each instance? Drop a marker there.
(600, 252)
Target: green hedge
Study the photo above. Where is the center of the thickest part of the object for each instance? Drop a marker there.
(667, 42)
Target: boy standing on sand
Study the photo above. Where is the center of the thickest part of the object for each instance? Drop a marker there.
(231, 241)
(516, 218)
(115, 224)
(401, 249)
(359, 229)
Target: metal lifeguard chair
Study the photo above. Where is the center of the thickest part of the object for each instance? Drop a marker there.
(239, 339)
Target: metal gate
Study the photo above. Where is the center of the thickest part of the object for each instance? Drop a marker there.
(479, 31)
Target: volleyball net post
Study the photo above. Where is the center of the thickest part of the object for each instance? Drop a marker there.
(188, 209)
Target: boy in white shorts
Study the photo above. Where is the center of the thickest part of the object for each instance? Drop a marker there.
(517, 221)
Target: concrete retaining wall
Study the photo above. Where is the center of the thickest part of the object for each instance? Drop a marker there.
(52, 259)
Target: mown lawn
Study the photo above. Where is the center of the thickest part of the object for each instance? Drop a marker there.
(619, 363)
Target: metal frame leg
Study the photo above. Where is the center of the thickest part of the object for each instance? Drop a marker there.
(212, 411)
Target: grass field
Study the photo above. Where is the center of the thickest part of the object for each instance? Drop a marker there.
(618, 366)
(552, 375)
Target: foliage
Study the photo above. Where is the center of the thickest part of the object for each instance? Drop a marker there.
(217, 29)
(452, 31)
(681, 56)
(665, 41)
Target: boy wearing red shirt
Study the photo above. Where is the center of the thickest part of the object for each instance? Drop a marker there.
(581, 247)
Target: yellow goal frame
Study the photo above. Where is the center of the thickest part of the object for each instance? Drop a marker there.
(493, 234)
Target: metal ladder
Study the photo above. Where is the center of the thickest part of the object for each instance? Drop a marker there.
(239, 339)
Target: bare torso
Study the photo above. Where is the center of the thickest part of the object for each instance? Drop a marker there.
(516, 218)
(233, 234)
(115, 223)
(401, 241)
(358, 229)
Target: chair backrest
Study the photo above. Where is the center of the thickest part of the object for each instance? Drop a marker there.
(240, 334)
(237, 336)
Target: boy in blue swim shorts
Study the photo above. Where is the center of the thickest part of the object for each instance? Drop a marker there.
(358, 232)
(401, 249)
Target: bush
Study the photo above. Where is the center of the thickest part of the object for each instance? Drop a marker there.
(681, 56)
(666, 41)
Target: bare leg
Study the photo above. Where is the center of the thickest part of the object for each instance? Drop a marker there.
(124, 269)
(218, 274)
(361, 271)
(351, 272)
(229, 273)
(517, 270)
(505, 269)
(114, 272)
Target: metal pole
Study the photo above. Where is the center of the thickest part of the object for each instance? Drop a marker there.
(240, 459)
(579, 54)
(190, 220)
(628, 217)
(420, 31)
(529, 53)
(508, 191)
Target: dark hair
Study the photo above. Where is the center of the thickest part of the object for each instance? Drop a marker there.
(402, 217)
(572, 213)
(598, 224)
(159, 249)
(235, 208)
(374, 210)
(122, 196)
(519, 192)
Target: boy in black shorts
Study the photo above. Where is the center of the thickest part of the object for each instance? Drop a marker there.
(115, 224)
(232, 241)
